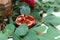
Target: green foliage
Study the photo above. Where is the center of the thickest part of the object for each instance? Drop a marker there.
(9, 29)
(15, 37)
(25, 9)
(50, 10)
(31, 36)
(44, 1)
(35, 14)
(21, 30)
(3, 36)
(38, 2)
(50, 35)
(39, 28)
(52, 20)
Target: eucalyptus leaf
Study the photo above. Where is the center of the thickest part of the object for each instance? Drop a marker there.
(38, 2)
(17, 2)
(44, 1)
(21, 30)
(25, 9)
(54, 20)
(36, 15)
(50, 10)
(3, 36)
(31, 36)
(57, 1)
(11, 20)
(15, 37)
(9, 29)
(39, 28)
(50, 35)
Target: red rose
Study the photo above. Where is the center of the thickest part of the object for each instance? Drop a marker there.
(29, 20)
(31, 3)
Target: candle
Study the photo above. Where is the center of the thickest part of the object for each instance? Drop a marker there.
(4, 1)
(5, 7)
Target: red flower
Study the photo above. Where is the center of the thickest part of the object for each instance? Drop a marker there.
(8, 11)
(31, 3)
(29, 20)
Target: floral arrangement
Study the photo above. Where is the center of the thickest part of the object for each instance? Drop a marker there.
(28, 21)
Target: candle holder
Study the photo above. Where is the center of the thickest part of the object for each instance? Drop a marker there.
(5, 11)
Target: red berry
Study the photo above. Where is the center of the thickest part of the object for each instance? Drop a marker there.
(31, 3)
(29, 20)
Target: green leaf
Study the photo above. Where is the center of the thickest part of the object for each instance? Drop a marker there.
(17, 2)
(39, 28)
(25, 9)
(10, 19)
(15, 37)
(9, 28)
(50, 35)
(15, 12)
(31, 36)
(44, 1)
(54, 20)
(36, 15)
(3, 36)
(38, 2)
(21, 30)
(57, 1)
(49, 11)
